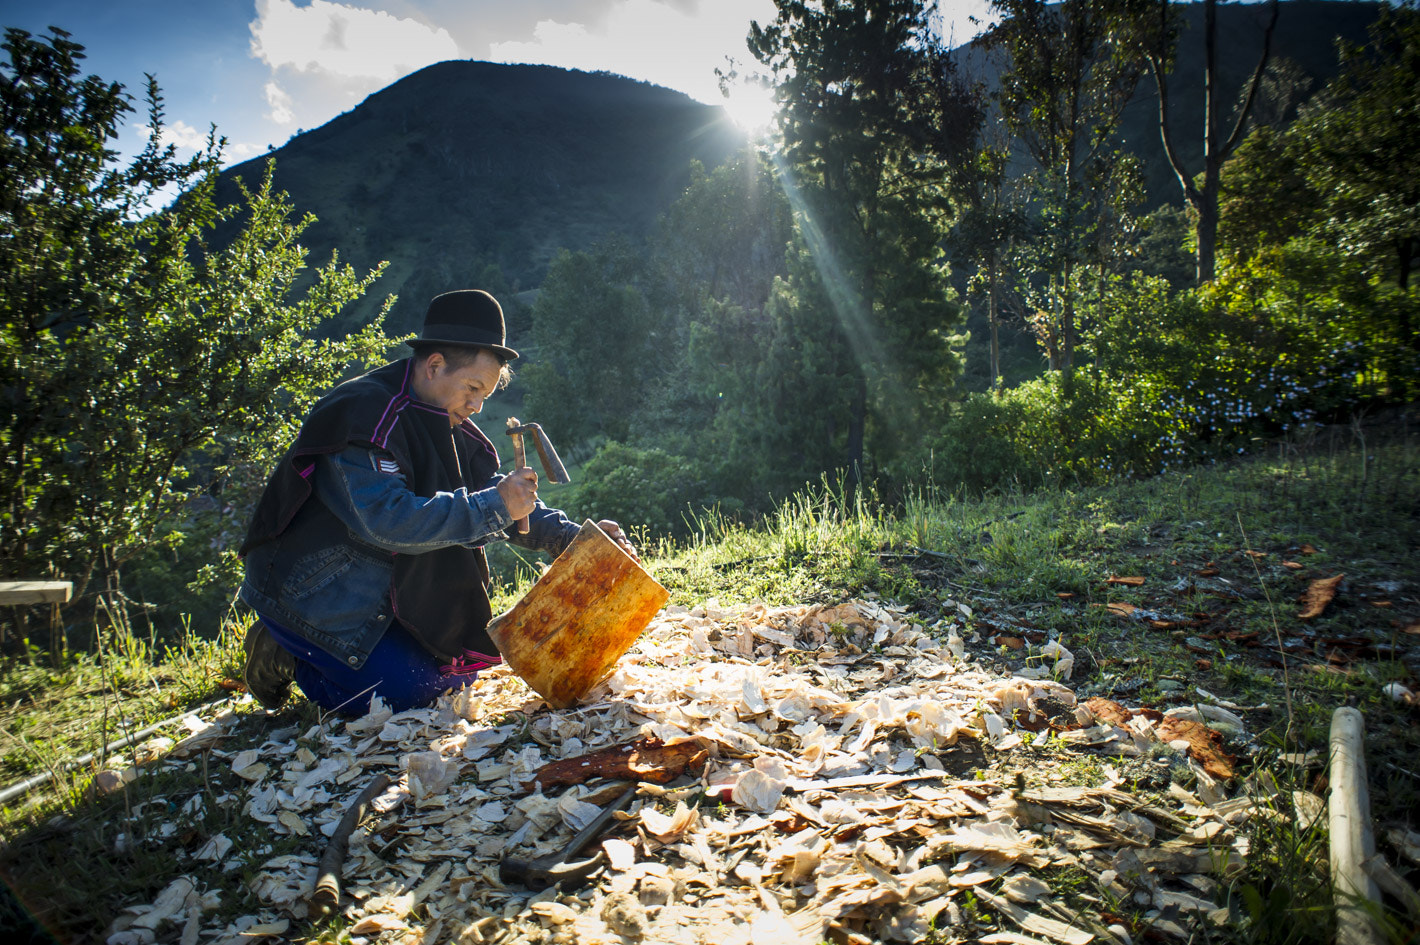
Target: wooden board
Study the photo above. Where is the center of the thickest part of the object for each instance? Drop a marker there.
(35, 592)
(568, 631)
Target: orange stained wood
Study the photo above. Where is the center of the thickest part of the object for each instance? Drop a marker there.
(586, 610)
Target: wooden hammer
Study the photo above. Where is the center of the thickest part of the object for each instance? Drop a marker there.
(551, 463)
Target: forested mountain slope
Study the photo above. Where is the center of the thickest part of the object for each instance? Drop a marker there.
(471, 173)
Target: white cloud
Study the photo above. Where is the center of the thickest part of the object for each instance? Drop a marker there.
(281, 104)
(179, 133)
(678, 46)
(345, 41)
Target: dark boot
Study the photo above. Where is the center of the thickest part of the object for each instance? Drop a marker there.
(270, 669)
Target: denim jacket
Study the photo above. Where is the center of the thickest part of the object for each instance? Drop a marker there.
(379, 512)
(342, 599)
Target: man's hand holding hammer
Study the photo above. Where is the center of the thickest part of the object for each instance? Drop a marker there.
(519, 489)
(519, 492)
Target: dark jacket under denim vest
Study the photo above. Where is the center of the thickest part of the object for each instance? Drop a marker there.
(307, 571)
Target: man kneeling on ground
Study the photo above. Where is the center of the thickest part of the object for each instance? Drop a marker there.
(364, 559)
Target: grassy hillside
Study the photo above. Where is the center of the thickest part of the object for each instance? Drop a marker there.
(1162, 589)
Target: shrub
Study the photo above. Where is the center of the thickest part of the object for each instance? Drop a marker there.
(648, 488)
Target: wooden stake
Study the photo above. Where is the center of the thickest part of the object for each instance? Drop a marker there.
(1355, 894)
(326, 896)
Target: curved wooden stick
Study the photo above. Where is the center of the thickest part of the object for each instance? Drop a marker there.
(326, 896)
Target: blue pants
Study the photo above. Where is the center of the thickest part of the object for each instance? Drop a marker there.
(403, 673)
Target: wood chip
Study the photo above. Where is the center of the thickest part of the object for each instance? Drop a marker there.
(1037, 924)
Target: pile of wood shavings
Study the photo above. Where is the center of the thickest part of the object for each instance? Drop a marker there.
(825, 809)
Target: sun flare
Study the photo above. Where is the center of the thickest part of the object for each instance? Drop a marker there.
(750, 106)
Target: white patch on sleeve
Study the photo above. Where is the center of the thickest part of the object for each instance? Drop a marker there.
(384, 464)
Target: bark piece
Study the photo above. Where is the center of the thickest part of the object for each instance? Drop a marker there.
(1205, 746)
(644, 759)
(1108, 710)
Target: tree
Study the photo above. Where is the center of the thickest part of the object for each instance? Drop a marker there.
(727, 233)
(1357, 146)
(1202, 193)
(866, 302)
(139, 366)
(991, 222)
(1068, 76)
(594, 342)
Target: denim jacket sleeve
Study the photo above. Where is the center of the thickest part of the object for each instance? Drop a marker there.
(549, 529)
(380, 510)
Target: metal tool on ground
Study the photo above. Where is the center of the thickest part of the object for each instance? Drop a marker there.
(561, 869)
(551, 463)
(571, 627)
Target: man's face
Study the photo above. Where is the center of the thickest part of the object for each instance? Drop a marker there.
(460, 391)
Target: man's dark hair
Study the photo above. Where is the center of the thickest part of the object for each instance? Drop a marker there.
(458, 357)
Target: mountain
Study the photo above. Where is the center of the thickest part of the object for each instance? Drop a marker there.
(474, 174)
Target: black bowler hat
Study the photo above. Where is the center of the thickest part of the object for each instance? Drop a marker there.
(468, 317)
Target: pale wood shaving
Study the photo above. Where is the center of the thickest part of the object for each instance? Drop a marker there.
(827, 802)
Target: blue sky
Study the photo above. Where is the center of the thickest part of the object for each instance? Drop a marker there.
(263, 69)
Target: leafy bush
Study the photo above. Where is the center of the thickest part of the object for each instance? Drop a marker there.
(142, 368)
(648, 488)
(1292, 338)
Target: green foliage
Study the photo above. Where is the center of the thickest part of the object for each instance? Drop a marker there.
(594, 342)
(643, 488)
(865, 322)
(141, 368)
(1358, 146)
(1343, 169)
(1293, 339)
(1062, 94)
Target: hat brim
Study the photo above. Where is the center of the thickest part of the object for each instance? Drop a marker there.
(506, 353)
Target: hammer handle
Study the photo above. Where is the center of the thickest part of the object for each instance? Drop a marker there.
(520, 459)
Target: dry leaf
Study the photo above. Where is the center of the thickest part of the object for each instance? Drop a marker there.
(620, 854)
(1108, 710)
(1318, 594)
(1307, 550)
(1129, 581)
(267, 929)
(1293, 565)
(1037, 924)
(377, 923)
(1205, 746)
(1022, 888)
(667, 828)
(758, 791)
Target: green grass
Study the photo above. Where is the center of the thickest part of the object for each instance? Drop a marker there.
(1007, 557)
